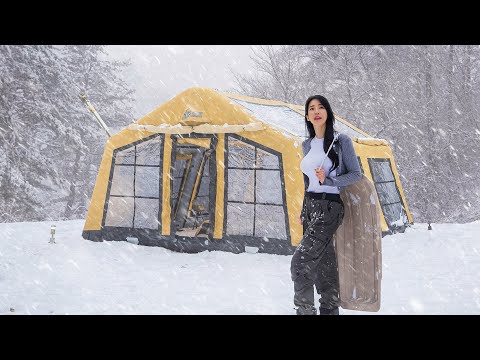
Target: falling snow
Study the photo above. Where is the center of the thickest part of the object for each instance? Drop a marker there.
(421, 270)
(52, 148)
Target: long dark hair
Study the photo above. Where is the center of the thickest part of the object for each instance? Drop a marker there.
(329, 132)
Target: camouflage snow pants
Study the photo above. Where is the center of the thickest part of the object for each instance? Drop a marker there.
(314, 262)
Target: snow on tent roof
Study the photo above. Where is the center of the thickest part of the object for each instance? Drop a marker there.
(287, 119)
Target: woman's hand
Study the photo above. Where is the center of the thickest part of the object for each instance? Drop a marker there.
(320, 174)
(300, 220)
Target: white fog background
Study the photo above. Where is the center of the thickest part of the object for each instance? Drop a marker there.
(159, 72)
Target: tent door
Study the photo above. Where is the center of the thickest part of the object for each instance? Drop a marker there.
(191, 188)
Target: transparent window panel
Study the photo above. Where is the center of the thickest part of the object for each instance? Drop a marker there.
(202, 196)
(270, 222)
(204, 186)
(266, 160)
(176, 188)
(387, 193)
(240, 219)
(147, 181)
(277, 115)
(395, 213)
(206, 168)
(178, 174)
(240, 185)
(120, 212)
(146, 213)
(148, 152)
(347, 130)
(268, 187)
(179, 168)
(122, 181)
(240, 154)
(204, 201)
(287, 119)
(382, 170)
(126, 157)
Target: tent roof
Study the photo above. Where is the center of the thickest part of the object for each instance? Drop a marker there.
(288, 117)
(212, 110)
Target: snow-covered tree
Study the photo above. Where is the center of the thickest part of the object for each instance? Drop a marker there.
(422, 99)
(280, 74)
(27, 120)
(49, 142)
(89, 71)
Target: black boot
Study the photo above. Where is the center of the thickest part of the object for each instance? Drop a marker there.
(325, 311)
(306, 310)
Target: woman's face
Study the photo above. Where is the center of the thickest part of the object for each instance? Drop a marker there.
(317, 114)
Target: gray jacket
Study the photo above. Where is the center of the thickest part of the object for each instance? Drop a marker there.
(348, 170)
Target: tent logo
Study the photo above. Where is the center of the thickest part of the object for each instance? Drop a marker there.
(189, 113)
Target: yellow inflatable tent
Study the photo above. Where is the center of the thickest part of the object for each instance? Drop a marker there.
(217, 171)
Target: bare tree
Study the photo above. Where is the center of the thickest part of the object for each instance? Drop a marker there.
(280, 74)
(421, 99)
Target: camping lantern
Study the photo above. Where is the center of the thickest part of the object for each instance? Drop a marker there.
(52, 232)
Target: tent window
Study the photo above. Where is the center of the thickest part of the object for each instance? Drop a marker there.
(255, 197)
(270, 221)
(146, 182)
(266, 160)
(120, 212)
(178, 174)
(191, 163)
(388, 194)
(125, 157)
(241, 185)
(240, 155)
(268, 187)
(347, 130)
(240, 219)
(122, 182)
(285, 118)
(277, 115)
(190, 196)
(146, 213)
(203, 196)
(148, 154)
(135, 193)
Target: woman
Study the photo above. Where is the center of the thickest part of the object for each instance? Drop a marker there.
(314, 262)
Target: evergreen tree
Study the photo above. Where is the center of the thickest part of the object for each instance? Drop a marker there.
(51, 144)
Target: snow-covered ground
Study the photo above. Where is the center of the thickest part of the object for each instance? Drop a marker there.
(424, 272)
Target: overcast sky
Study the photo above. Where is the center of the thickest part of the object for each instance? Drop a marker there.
(159, 72)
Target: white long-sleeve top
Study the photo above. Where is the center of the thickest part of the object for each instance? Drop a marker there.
(311, 161)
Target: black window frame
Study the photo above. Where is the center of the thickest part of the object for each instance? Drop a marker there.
(160, 180)
(371, 161)
(254, 168)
